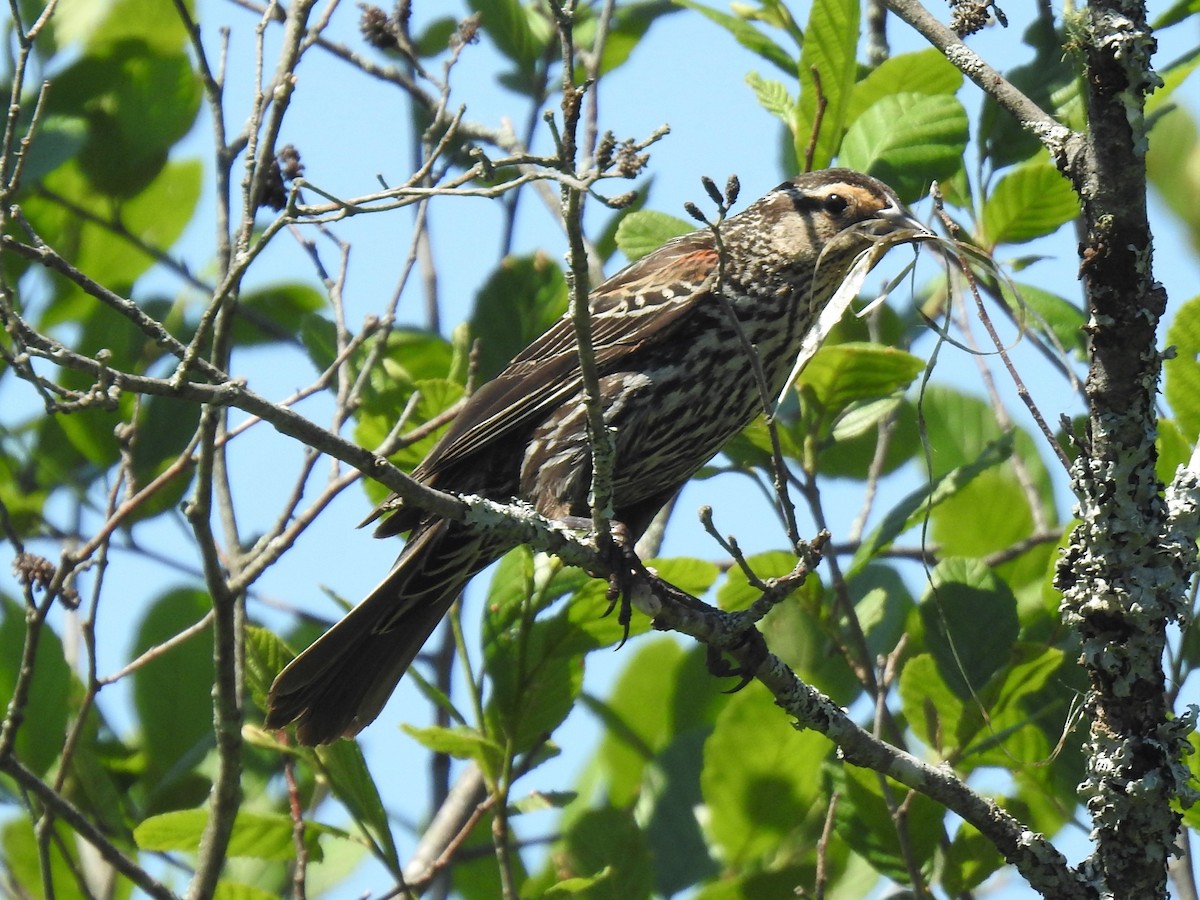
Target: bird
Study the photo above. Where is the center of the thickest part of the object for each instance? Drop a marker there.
(676, 384)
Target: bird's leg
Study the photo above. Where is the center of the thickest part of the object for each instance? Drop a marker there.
(628, 577)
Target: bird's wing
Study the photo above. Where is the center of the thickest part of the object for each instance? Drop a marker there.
(638, 305)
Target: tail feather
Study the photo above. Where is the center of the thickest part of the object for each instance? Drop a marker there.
(340, 684)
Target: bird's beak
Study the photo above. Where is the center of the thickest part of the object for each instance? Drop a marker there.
(897, 223)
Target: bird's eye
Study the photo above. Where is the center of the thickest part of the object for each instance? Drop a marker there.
(835, 204)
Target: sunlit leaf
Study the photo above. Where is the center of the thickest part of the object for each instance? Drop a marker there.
(746, 35)
(1030, 201)
(351, 782)
(254, 835)
(461, 743)
(645, 231)
(830, 44)
(908, 140)
(922, 72)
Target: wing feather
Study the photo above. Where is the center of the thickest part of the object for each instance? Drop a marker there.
(640, 304)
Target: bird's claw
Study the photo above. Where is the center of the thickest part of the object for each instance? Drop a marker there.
(755, 654)
(626, 572)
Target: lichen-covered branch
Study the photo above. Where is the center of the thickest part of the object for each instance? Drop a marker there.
(1125, 571)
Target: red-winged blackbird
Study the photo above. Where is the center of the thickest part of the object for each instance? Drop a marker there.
(677, 384)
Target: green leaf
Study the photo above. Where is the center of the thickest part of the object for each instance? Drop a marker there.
(536, 673)
(1047, 312)
(350, 781)
(970, 860)
(1173, 448)
(922, 72)
(757, 792)
(590, 621)
(604, 855)
(266, 655)
(1031, 201)
(636, 718)
(255, 835)
(1012, 722)
(862, 417)
(736, 592)
(165, 425)
(571, 886)
(1051, 81)
(990, 514)
(434, 397)
(138, 103)
(970, 620)
(594, 622)
(540, 801)
(1173, 167)
(842, 374)
(962, 427)
(934, 712)
(993, 512)
(852, 452)
(275, 314)
(48, 706)
(176, 724)
(687, 573)
(1176, 13)
(21, 851)
(671, 794)
(863, 820)
(830, 43)
(908, 140)
(1173, 76)
(521, 299)
(1027, 706)
(630, 22)
(319, 337)
(156, 217)
(746, 35)
(882, 603)
(774, 98)
(140, 20)
(461, 743)
(1191, 815)
(232, 890)
(644, 231)
(800, 632)
(909, 511)
(510, 26)
(1182, 372)
(58, 139)
(435, 37)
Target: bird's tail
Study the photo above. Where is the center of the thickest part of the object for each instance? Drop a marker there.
(340, 684)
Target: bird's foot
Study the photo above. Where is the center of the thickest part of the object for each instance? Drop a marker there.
(628, 578)
(751, 658)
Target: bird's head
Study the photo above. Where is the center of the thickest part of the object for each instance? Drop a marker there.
(831, 213)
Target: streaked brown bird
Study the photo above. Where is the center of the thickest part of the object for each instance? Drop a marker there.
(676, 382)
